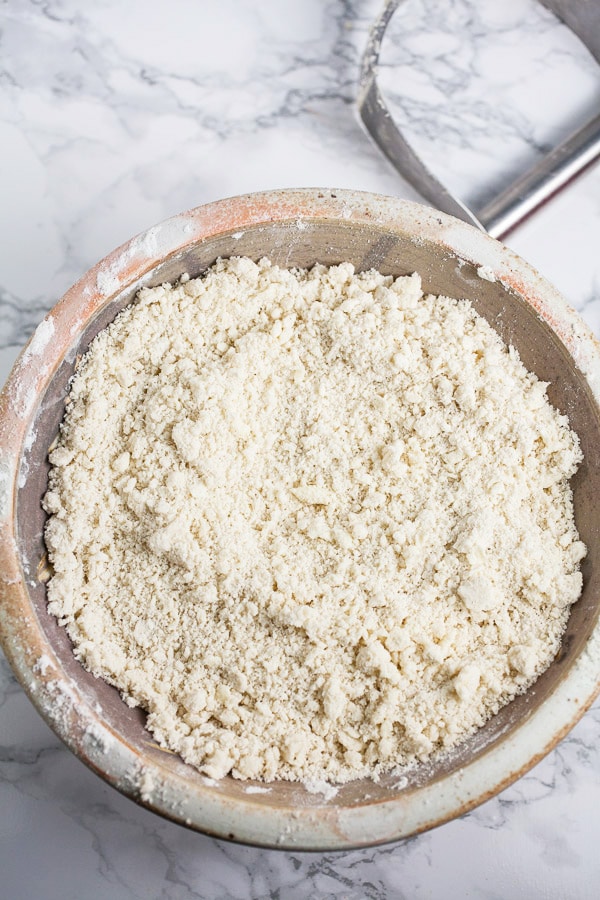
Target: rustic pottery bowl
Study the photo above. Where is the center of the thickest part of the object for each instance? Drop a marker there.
(294, 228)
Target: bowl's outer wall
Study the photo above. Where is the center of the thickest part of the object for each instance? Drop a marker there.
(93, 719)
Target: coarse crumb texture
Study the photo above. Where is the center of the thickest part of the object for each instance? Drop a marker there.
(316, 523)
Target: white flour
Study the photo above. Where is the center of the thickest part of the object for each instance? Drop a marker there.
(316, 524)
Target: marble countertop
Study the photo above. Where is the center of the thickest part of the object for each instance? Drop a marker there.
(116, 115)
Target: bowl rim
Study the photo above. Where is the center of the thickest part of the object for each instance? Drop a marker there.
(57, 697)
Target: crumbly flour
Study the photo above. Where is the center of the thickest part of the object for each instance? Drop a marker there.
(317, 524)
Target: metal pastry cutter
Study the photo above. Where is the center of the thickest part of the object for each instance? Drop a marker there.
(516, 203)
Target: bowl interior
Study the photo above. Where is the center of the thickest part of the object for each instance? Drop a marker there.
(329, 242)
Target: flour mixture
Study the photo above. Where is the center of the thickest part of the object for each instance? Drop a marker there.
(316, 524)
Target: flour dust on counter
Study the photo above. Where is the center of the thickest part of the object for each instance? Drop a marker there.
(316, 523)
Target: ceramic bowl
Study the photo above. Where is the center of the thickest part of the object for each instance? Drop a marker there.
(294, 228)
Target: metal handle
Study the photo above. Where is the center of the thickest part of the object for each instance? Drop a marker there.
(515, 204)
(554, 172)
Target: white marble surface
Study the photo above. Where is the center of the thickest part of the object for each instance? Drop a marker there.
(114, 115)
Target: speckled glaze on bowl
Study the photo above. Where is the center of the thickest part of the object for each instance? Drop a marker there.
(294, 227)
